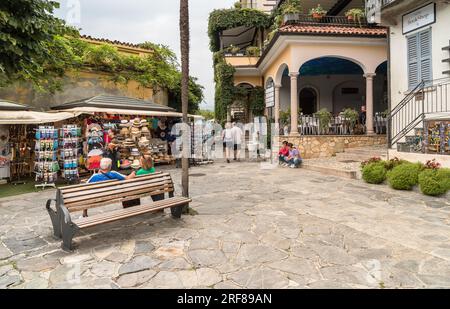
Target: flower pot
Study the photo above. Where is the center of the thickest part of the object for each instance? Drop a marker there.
(350, 18)
(317, 16)
(290, 17)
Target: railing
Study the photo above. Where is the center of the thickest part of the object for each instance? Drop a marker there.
(386, 2)
(426, 98)
(328, 20)
(339, 125)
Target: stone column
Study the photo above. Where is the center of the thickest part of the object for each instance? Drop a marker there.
(277, 104)
(294, 104)
(369, 103)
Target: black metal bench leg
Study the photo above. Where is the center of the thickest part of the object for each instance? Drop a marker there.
(177, 211)
(55, 217)
(68, 231)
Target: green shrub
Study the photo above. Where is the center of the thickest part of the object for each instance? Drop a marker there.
(431, 183)
(404, 176)
(374, 173)
(444, 175)
(394, 163)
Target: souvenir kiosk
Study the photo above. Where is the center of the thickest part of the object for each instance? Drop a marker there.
(137, 126)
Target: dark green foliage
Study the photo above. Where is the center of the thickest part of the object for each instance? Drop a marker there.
(432, 183)
(404, 176)
(444, 175)
(32, 48)
(224, 19)
(374, 173)
(224, 78)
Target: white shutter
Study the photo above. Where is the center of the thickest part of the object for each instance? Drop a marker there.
(413, 61)
(426, 72)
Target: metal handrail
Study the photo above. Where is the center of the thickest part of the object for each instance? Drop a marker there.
(428, 97)
(329, 20)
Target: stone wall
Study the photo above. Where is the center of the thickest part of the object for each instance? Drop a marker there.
(323, 146)
(82, 85)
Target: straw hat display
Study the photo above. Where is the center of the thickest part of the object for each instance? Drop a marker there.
(135, 164)
(135, 152)
(124, 124)
(143, 142)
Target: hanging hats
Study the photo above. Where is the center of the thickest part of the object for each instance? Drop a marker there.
(136, 164)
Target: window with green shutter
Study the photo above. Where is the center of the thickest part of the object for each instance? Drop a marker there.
(419, 58)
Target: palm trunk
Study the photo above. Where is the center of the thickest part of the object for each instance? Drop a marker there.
(184, 40)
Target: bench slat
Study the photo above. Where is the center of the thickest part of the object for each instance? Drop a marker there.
(78, 206)
(116, 188)
(123, 211)
(130, 212)
(87, 186)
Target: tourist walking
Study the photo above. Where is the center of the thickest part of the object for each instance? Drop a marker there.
(227, 137)
(237, 141)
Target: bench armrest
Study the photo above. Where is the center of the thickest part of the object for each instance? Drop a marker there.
(49, 203)
(66, 215)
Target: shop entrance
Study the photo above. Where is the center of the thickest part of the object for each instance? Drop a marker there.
(308, 101)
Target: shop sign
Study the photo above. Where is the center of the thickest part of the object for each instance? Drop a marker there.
(419, 18)
(270, 96)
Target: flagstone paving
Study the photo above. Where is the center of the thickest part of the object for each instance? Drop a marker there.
(255, 228)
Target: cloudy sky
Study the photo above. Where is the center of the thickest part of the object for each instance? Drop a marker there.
(136, 21)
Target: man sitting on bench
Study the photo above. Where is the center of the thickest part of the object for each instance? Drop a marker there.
(105, 174)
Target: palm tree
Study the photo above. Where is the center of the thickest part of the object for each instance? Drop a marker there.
(184, 40)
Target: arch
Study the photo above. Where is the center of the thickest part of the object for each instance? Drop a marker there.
(279, 74)
(326, 59)
(382, 68)
(309, 100)
(246, 83)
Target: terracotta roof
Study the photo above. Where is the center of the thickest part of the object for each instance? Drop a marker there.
(334, 30)
(115, 42)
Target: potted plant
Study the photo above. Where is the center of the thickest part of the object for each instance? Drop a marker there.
(317, 12)
(253, 51)
(291, 10)
(324, 117)
(350, 116)
(355, 15)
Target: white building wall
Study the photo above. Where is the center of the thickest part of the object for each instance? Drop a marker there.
(398, 50)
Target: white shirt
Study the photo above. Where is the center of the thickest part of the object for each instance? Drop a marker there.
(237, 135)
(227, 135)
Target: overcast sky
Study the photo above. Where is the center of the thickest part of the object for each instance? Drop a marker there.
(136, 21)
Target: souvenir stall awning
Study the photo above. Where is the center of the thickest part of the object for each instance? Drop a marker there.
(119, 105)
(12, 106)
(30, 117)
(118, 111)
(112, 102)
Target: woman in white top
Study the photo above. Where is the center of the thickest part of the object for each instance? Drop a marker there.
(227, 137)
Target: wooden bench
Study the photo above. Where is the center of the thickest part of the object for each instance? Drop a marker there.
(78, 198)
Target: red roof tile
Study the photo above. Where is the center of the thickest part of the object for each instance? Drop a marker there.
(115, 42)
(334, 30)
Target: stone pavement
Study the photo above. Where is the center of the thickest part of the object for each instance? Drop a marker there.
(255, 228)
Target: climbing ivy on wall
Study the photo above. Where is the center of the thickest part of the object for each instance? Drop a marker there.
(220, 20)
(225, 92)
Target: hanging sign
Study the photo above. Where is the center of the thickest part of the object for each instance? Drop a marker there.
(419, 18)
(270, 96)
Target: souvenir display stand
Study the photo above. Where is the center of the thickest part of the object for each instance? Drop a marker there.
(46, 156)
(69, 152)
(437, 137)
(5, 155)
(21, 152)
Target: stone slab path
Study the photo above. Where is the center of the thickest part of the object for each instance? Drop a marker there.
(255, 228)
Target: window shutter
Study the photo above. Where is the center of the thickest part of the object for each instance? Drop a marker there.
(426, 72)
(413, 61)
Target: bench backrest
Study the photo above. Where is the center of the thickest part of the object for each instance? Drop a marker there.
(80, 197)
